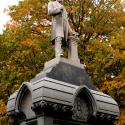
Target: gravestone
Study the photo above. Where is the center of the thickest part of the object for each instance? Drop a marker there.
(63, 93)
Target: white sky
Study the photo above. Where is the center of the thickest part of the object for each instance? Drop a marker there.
(3, 16)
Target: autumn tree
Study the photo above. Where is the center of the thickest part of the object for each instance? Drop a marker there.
(25, 45)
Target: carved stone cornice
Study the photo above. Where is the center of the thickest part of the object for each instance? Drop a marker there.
(49, 108)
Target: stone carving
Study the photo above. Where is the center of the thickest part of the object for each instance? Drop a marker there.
(49, 108)
(61, 30)
(80, 109)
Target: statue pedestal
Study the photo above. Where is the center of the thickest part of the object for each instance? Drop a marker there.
(62, 94)
(65, 70)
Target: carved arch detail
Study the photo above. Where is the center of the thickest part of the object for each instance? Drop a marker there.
(84, 104)
(21, 92)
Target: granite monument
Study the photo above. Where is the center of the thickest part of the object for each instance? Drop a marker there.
(62, 93)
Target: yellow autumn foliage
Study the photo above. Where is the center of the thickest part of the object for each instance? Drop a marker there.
(2, 107)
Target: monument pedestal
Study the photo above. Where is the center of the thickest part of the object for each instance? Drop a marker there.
(62, 94)
(65, 70)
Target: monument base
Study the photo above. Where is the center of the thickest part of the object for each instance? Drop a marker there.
(62, 94)
(66, 70)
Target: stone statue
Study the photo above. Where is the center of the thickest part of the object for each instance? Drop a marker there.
(61, 30)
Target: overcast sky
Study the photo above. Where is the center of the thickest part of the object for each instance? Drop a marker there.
(3, 16)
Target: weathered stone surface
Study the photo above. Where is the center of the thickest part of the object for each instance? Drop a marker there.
(64, 70)
(61, 100)
(11, 103)
(61, 94)
(89, 104)
(38, 93)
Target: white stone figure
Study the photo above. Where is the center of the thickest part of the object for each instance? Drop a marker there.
(61, 30)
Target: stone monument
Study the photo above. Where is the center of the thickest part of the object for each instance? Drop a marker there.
(62, 33)
(63, 93)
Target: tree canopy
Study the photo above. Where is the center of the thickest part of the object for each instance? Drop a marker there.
(25, 46)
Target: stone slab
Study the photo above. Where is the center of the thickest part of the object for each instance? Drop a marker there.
(66, 71)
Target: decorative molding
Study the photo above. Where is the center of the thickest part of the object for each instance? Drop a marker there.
(48, 108)
(106, 117)
(84, 106)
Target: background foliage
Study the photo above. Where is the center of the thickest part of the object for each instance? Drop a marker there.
(25, 46)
